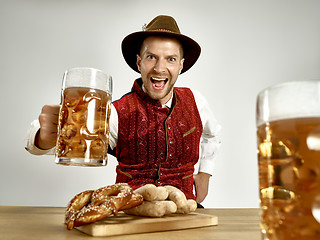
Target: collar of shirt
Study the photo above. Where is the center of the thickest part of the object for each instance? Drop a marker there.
(167, 104)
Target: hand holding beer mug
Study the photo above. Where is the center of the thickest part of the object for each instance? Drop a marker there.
(83, 130)
(288, 132)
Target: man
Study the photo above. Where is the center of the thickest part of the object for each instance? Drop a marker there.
(157, 132)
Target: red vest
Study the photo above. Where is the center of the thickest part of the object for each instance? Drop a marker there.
(158, 145)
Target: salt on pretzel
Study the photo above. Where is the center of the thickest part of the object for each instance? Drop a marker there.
(119, 193)
(135, 200)
(92, 213)
(76, 204)
(90, 206)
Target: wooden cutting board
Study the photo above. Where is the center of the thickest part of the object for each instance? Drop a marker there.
(127, 224)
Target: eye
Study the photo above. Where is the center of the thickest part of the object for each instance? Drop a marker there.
(150, 57)
(172, 59)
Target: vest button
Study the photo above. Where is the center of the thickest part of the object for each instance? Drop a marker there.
(169, 128)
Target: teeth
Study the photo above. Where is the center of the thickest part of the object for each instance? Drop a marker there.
(158, 83)
(159, 79)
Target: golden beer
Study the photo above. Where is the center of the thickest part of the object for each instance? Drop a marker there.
(289, 175)
(288, 137)
(83, 125)
(83, 131)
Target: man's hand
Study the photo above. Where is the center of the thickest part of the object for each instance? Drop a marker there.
(201, 183)
(47, 135)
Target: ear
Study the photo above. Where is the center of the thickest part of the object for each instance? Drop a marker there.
(181, 65)
(139, 62)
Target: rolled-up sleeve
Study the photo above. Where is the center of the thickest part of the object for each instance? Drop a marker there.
(210, 140)
(29, 140)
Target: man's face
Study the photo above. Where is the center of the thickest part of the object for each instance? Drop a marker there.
(160, 63)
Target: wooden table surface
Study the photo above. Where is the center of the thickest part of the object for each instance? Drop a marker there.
(48, 223)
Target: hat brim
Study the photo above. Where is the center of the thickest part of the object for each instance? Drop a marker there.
(131, 45)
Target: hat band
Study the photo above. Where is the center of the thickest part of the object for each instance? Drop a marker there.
(163, 30)
(159, 30)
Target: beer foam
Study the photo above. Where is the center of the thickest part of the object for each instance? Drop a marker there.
(288, 100)
(87, 77)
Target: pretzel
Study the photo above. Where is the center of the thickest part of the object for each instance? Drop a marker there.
(135, 200)
(76, 204)
(120, 193)
(91, 214)
(91, 206)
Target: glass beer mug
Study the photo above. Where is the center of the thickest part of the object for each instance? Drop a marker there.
(83, 129)
(288, 133)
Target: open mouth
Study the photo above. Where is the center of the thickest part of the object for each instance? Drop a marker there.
(158, 83)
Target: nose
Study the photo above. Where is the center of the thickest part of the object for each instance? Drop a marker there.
(160, 66)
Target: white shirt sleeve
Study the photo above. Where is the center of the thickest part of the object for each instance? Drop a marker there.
(113, 128)
(210, 140)
(29, 140)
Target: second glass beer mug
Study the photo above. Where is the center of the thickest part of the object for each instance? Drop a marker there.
(83, 130)
(288, 132)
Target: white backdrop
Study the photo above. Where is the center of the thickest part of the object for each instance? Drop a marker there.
(246, 46)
